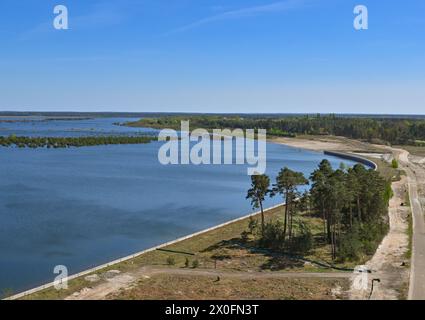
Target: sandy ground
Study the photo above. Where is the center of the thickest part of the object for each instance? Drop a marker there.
(416, 173)
(389, 262)
(420, 174)
(327, 143)
(314, 145)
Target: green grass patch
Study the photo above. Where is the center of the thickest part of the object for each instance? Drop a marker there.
(409, 232)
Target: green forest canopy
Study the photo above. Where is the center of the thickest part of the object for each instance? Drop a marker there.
(378, 130)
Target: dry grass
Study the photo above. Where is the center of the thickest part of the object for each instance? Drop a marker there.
(180, 287)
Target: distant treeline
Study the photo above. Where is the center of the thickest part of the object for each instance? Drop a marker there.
(377, 130)
(66, 142)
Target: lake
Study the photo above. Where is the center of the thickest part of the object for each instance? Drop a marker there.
(81, 207)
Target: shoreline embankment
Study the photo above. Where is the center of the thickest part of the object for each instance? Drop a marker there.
(352, 157)
(346, 156)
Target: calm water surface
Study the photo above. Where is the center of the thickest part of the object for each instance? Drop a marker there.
(81, 207)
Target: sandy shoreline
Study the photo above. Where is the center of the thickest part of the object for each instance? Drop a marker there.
(312, 145)
(328, 143)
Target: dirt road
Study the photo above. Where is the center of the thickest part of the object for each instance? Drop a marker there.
(417, 278)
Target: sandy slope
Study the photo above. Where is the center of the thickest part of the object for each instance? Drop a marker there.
(389, 262)
(326, 143)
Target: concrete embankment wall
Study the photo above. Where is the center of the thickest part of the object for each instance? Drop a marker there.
(106, 265)
(353, 157)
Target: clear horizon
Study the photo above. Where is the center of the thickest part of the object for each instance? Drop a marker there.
(234, 56)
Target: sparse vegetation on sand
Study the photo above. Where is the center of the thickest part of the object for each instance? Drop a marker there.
(184, 287)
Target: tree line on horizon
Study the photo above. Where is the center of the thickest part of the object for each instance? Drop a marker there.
(378, 130)
(351, 203)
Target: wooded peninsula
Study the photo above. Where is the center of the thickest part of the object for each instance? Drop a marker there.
(392, 130)
(67, 142)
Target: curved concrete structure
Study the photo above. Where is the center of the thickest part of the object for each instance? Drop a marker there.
(353, 157)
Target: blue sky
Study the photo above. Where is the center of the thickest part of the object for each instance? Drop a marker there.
(213, 56)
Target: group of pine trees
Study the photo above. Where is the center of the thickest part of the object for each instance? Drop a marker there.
(352, 204)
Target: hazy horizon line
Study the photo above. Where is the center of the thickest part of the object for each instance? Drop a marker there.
(209, 113)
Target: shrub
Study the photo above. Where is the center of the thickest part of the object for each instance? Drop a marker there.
(372, 235)
(303, 242)
(171, 261)
(252, 225)
(245, 236)
(195, 264)
(388, 194)
(186, 263)
(362, 240)
(350, 247)
(273, 236)
(394, 164)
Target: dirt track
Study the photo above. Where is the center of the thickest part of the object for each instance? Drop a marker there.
(389, 262)
(416, 173)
